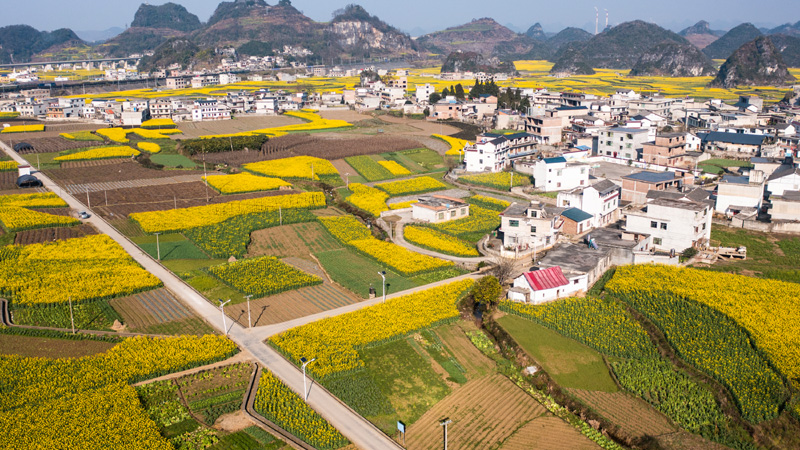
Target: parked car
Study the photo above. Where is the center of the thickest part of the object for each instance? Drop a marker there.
(84, 215)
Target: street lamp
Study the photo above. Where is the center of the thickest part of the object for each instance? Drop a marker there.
(305, 380)
(222, 310)
(158, 247)
(249, 324)
(383, 276)
(444, 423)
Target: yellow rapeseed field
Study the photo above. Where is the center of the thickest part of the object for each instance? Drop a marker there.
(297, 167)
(121, 151)
(244, 182)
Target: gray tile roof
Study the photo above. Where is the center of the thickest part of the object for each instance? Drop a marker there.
(651, 177)
(733, 138)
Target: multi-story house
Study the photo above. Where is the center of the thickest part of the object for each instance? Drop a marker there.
(601, 200)
(530, 226)
(545, 130)
(624, 143)
(556, 174)
(209, 110)
(494, 152)
(636, 185)
(673, 224)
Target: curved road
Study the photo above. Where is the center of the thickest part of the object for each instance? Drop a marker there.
(357, 429)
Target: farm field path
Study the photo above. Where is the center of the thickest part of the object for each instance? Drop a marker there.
(77, 189)
(357, 429)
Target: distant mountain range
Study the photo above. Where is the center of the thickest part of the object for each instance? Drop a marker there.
(254, 27)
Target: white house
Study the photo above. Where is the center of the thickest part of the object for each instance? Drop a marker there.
(624, 143)
(673, 224)
(545, 285)
(601, 200)
(530, 226)
(556, 174)
(209, 110)
(229, 78)
(785, 178)
(439, 208)
(735, 193)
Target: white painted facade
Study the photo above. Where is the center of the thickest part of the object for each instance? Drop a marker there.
(578, 283)
(622, 142)
(740, 194)
(556, 174)
(602, 206)
(789, 182)
(672, 224)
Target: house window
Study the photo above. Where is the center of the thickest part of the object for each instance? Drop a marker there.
(664, 226)
(533, 228)
(704, 226)
(463, 211)
(574, 281)
(657, 241)
(534, 213)
(453, 213)
(653, 224)
(441, 216)
(513, 223)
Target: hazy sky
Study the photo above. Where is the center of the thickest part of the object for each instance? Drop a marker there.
(416, 16)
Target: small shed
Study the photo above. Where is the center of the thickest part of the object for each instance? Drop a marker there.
(576, 221)
(22, 147)
(28, 181)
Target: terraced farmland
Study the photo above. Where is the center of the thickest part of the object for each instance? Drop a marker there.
(485, 412)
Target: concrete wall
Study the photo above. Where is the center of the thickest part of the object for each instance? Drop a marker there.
(739, 195)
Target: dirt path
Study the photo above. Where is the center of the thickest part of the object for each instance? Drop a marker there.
(242, 356)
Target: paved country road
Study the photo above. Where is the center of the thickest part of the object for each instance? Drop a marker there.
(357, 429)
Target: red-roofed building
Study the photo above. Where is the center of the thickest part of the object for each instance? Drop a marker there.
(544, 285)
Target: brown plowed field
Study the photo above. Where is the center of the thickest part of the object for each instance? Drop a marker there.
(299, 240)
(484, 413)
(128, 170)
(292, 305)
(37, 347)
(158, 311)
(8, 180)
(548, 433)
(475, 362)
(633, 415)
(51, 234)
(193, 130)
(53, 144)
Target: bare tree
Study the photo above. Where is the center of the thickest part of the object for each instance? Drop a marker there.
(503, 268)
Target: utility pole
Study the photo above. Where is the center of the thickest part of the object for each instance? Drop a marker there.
(444, 423)
(249, 323)
(158, 247)
(305, 379)
(222, 310)
(71, 316)
(88, 200)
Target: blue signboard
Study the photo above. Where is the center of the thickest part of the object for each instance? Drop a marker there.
(401, 427)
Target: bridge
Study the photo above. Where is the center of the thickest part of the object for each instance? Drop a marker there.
(72, 61)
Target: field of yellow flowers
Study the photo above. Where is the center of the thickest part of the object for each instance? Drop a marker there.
(22, 129)
(158, 123)
(472, 228)
(149, 147)
(121, 151)
(244, 182)
(296, 167)
(738, 339)
(81, 136)
(439, 242)
(14, 218)
(279, 404)
(395, 168)
(44, 200)
(405, 262)
(86, 402)
(369, 168)
(199, 216)
(83, 269)
(417, 185)
(335, 341)
(8, 166)
(456, 145)
(118, 135)
(262, 276)
(497, 180)
(368, 199)
(489, 202)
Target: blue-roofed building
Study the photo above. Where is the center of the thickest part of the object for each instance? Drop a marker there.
(576, 221)
(737, 145)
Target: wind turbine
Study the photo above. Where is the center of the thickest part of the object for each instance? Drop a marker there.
(606, 19)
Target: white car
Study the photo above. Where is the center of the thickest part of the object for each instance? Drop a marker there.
(84, 215)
